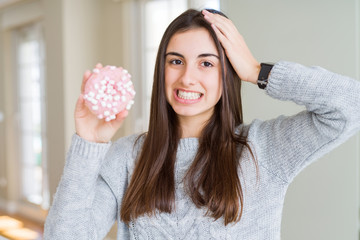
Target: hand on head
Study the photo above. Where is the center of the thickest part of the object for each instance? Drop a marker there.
(235, 47)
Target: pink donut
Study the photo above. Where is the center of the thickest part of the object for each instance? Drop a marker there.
(109, 91)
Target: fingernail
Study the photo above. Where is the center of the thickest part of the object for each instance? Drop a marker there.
(124, 114)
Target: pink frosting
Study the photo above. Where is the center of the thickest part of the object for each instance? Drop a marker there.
(109, 91)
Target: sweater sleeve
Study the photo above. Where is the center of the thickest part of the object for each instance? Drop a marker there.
(286, 145)
(84, 206)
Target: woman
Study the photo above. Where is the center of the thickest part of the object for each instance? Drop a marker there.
(199, 173)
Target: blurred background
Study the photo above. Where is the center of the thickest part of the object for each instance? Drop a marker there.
(46, 45)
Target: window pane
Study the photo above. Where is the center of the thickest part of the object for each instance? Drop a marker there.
(156, 21)
(176, 8)
(32, 175)
(201, 4)
(30, 101)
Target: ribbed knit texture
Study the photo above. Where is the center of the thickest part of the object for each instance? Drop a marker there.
(95, 178)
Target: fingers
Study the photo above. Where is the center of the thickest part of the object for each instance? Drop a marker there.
(235, 46)
(80, 106)
(220, 36)
(225, 30)
(120, 117)
(223, 24)
(80, 101)
(87, 75)
(85, 78)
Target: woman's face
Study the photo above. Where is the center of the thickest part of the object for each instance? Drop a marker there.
(193, 74)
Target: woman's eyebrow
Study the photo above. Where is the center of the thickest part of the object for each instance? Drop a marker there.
(174, 53)
(208, 55)
(200, 56)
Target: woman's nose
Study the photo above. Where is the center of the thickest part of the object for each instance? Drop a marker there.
(189, 76)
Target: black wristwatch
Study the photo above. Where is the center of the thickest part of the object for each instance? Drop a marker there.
(264, 74)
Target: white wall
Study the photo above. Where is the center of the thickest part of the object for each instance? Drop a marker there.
(323, 201)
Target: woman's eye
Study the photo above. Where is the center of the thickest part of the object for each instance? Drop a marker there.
(206, 64)
(176, 62)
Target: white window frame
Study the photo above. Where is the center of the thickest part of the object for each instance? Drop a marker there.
(36, 30)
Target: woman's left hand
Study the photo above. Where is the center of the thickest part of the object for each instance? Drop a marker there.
(238, 53)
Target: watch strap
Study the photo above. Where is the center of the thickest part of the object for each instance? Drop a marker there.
(264, 74)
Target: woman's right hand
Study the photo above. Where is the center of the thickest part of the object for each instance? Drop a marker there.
(236, 49)
(88, 125)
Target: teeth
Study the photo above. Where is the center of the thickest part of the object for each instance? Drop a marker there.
(188, 95)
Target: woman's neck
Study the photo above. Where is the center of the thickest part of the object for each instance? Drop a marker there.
(191, 127)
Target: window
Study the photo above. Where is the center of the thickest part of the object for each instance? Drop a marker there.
(200, 4)
(30, 95)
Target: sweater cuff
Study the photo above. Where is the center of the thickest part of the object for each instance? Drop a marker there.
(279, 85)
(86, 149)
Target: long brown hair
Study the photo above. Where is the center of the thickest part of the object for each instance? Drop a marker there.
(212, 180)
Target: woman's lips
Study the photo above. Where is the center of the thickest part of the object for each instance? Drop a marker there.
(187, 97)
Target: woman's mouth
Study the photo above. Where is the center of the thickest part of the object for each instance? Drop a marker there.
(188, 95)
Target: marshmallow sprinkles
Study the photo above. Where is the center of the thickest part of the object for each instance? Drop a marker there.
(109, 91)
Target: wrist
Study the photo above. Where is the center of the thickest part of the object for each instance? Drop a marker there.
(93, 138)
(255, 75)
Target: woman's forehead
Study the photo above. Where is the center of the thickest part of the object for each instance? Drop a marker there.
(195, 41)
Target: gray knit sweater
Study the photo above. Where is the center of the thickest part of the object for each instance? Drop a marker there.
(95, 177)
